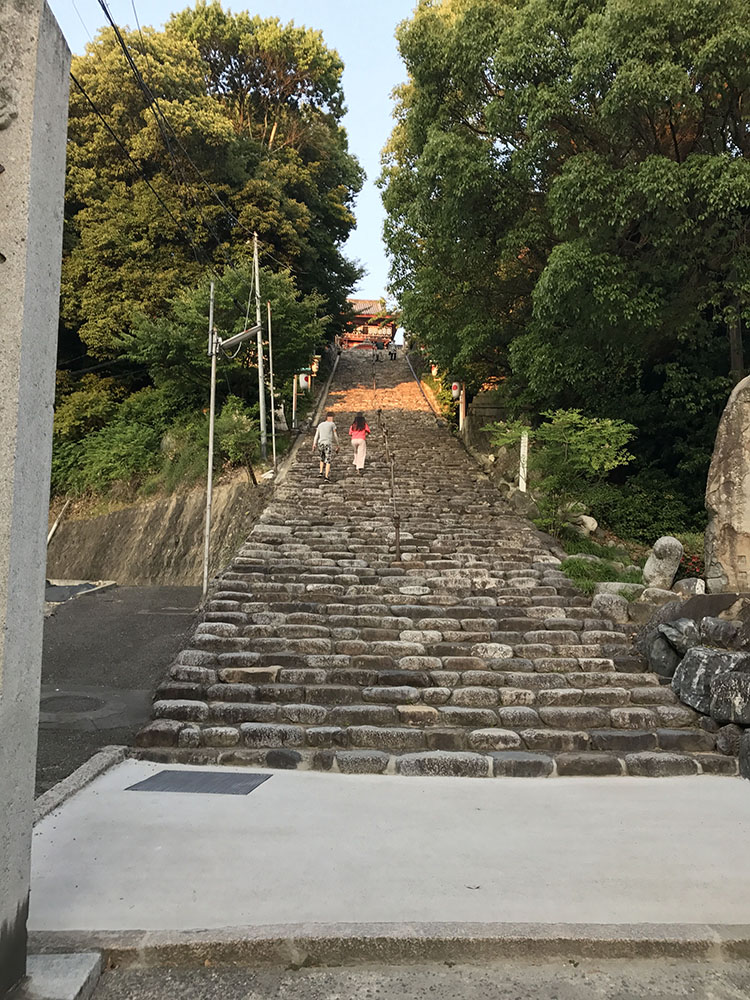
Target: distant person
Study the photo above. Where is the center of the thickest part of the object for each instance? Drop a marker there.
(392, 350)
(326, 437)
(379, 347)
(358, 433)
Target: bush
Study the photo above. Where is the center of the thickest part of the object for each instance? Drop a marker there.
(85, 405)
(569, 453)
(238, 433)
(573, 544)
(126, 449)
(643, 509)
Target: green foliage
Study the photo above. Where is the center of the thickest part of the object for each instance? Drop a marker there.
(568, 453)
(238, 433)
(125, 449)
(183, 455)
(173, 348)
(575, 544)
(586, 574)
(567, 190)
(85, 405)
(643, 509)
(257, 106)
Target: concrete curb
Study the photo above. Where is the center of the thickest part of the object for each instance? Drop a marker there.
(82, 776)
(298, 945)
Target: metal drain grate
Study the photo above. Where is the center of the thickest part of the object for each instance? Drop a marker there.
(200, 782)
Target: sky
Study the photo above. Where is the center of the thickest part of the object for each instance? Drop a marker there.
(362, 32)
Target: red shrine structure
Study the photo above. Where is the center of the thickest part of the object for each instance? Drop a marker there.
(371, 324)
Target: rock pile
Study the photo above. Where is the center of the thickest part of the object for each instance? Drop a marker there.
(708, 666)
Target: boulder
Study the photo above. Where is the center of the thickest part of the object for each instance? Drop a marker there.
(584, 525)
(730, 697)
(717, 632)
(697, 669)
(696, 608)
(656, 595)
(681, 634)
(727, 544)
(610, 606)
(662, 658)
(617, 587)
(728, 740)
(663, 562)
(744, 755)
(689, 587)
(523, 503)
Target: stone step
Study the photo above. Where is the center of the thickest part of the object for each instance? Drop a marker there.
(470, 654)
(442, 763)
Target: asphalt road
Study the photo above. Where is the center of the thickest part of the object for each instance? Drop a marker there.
(584, 980)
(104, 654)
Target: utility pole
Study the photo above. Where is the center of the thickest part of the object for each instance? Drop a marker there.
(270, 376)
(212, 350)
(261, 373)
(215, 344)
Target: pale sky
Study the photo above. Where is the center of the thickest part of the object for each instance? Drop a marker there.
(361, 32)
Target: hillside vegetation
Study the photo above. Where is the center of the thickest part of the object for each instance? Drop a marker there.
(568, 198)
(182, 143)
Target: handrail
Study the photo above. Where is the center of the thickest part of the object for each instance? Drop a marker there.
(418, 380)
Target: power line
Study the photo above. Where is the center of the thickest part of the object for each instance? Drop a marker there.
(140, 170)
(75, 8)
(162, 122)
(185, 228)
(162, 119)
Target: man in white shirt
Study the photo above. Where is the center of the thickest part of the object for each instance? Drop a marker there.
(325, 438)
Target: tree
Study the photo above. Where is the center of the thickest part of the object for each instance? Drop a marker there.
(201, 149)
(568, 196)
(172, 348)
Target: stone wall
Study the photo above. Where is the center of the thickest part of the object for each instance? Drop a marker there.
(484, 408)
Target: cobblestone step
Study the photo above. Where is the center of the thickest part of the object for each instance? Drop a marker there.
(471, 654)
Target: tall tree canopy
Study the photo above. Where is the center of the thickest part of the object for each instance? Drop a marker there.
(568, 198)
(245, 134)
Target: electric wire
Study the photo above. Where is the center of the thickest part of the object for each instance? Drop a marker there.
(162, 120)
(183, 227)
(75, 8)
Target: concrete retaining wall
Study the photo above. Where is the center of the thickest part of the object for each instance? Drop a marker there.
(159, 542)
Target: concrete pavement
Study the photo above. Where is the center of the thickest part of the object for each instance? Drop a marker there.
(306, 848)
(562, 980)
(104, 654)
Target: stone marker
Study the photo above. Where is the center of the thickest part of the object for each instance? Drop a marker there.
(663, 562)
(727, 545)
(34, 66)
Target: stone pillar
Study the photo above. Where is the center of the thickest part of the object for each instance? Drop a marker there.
(727, 553)
(34, 66)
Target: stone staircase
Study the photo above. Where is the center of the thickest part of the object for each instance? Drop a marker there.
(470, 655)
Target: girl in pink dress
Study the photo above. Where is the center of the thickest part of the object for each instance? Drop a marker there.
(358, 433)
